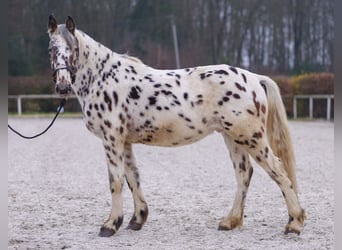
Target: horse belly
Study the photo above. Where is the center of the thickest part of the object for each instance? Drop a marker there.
(169, 134)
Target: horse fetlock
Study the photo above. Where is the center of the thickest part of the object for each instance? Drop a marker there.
(134, 225)
(111, 227)
(295, 224)
(230, 223)
(138, 220)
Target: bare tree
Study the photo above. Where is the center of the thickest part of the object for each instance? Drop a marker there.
(273, 36)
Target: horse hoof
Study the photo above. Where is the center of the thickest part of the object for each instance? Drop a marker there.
(291, 230)
(230, 223)
(223, 228)
(134, 226)
(106, 232)
(295, 225)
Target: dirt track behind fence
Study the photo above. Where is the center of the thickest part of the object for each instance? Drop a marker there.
(58, 193)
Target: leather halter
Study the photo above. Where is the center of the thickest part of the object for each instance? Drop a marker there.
(72, 71)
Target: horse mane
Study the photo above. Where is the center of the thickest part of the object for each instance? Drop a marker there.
(132, 58)
(80, 35)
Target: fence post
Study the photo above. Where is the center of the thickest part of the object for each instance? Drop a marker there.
(328, 108)
(294, 107)
(19, 105)
(311, 107)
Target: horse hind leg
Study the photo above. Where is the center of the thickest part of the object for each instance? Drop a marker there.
(243, 173)
(264, 156)
(132, 177)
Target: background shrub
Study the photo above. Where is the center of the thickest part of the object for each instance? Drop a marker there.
(306, 84)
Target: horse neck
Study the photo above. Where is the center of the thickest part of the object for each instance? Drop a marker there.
(93, 57)
(96, 62)
(89, 50)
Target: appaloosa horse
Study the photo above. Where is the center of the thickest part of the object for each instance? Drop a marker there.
(125, 101)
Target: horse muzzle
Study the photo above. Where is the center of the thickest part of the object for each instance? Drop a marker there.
(63, 84)
(63, 89)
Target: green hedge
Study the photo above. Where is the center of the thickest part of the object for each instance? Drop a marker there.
(313, 83)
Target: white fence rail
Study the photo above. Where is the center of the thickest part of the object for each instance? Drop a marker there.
(19, 99)
(295, 98)
(311, 104)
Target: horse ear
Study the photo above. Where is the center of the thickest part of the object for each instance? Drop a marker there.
(52, 24)
(70, 24)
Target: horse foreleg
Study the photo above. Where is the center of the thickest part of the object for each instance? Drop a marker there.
(114, 157)
(132, 177)
(243, 173)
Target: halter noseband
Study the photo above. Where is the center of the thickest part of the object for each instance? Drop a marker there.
(72, 71)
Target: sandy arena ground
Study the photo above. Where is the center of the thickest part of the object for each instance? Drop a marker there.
(58, 193)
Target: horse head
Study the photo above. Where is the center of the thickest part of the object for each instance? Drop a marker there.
(64, 53)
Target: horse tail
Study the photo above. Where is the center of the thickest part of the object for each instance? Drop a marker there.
(278, 130)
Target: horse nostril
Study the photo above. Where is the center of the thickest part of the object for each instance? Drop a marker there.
(69, 89)
(63, 89)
